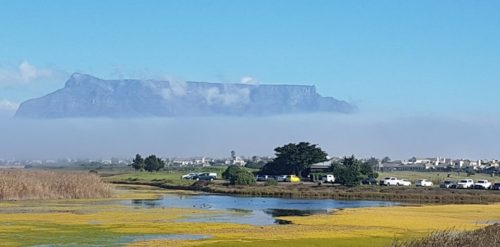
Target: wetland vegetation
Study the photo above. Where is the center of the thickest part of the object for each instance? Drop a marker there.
(117, 221)
(16, 184)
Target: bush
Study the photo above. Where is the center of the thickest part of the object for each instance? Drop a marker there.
(242, 177)
(271, 182)
(231, 171)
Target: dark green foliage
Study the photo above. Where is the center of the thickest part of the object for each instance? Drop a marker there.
(294, 159)
(153, 163)
(242, 177)
(231, 171)
(350, 171)
(138, 163)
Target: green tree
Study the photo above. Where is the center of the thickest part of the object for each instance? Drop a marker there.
(153, 163)
(347, 171)
(231, 171)
(294, 159)
(138, 163)
(242, 177)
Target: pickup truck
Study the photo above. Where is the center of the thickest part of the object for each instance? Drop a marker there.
(465, 184)
(395, 181)
(482, 184)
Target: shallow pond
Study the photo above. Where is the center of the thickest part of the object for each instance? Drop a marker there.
(252, 210)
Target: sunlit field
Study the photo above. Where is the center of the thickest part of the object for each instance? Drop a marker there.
(109, 222)
(18, 184)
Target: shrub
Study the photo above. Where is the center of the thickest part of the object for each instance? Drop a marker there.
(271, 182)
(231, 172)
(242, 177)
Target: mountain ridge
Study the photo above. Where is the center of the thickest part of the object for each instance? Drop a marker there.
(88, 96)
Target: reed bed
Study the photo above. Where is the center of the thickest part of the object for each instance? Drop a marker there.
(484, 237)
(16, 184)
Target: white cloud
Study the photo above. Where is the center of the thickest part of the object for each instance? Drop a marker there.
(26, 73)
(248, 80)
(230, 96)
(6, 105)
(177, 88)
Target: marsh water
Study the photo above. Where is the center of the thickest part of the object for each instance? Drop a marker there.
(251, 210)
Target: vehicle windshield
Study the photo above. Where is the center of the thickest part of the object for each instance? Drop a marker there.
(463, 181)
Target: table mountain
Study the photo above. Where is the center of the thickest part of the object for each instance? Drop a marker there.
(88, 96)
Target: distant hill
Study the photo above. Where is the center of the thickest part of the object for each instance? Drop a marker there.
(88, 96)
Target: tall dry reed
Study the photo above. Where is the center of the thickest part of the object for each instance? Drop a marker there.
(484, 237)
(17, 184)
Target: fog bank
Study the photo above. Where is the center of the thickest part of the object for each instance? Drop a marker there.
(339, 135)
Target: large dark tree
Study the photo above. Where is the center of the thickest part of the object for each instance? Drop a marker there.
(350, 171)
(153, 163)
(347, 171)
(138, 163)
(294, 159)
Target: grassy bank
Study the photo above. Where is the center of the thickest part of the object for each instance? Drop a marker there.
(18, 184)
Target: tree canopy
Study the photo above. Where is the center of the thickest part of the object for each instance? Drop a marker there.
(294, 159)
(153, 163)
(138, 163)
(350, 171)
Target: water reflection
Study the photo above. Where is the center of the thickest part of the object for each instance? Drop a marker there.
(252, 210)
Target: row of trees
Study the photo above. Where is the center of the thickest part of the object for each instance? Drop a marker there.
(150, 164)
(297, 159)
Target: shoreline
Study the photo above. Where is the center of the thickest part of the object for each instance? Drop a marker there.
(379, 193)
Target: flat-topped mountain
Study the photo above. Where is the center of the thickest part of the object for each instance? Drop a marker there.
(88, 96)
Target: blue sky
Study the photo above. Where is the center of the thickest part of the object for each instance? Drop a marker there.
(385, 56)
(424, 73)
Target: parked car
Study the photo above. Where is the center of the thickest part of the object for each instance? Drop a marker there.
(482, 184)
(404, 182)
(328, 178)
(262, 177)
(189, 176)
(465, 184)
(424, 183)
(292, 179)
(369, 181)
(447, 184)
(395, 181)
(390, 181)
(206, 176)
(280, 178)
(495, 186)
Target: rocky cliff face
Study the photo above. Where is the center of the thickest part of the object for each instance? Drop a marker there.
(88, 96)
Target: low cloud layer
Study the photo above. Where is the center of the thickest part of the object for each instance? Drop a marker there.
(363, 136)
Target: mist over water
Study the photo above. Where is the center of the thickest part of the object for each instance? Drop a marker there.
(339, 135)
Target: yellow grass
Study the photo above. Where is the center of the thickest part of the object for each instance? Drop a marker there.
(16, 184)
